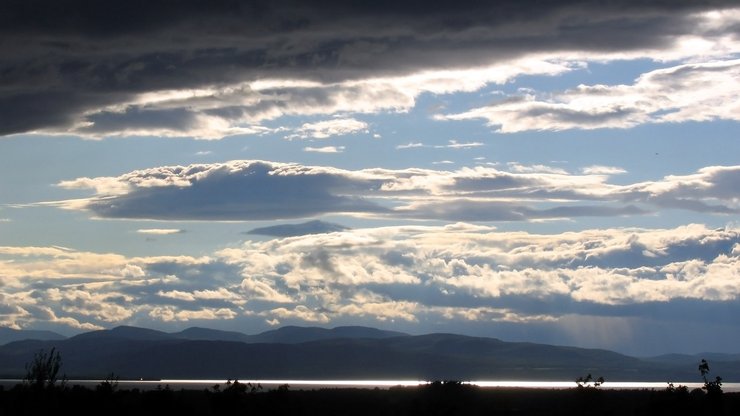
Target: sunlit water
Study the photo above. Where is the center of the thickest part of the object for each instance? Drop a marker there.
(382, 384)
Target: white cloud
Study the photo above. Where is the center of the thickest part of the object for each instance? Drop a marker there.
(519, 168)
(260, 289)
(687, 92)
(325, 149)
(177, 294)
(328, 128)
(160, 231)
(410, 145)
(88, 304)
(602, 170)
(381, 310)
(454, 144)
(170, 314)
(301, 313)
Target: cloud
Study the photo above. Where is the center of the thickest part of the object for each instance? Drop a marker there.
(519, 168)
(410, 145)
(160, 231)
(454, 144)
(260, 190)
(178, 122)
(462, 209)
(169, 314)
(688, 92)
(602, 170)
(325, 149)
(218, 69)
(265, 191)
(300, 312)
(711, 190)
(329, 128)
(292, 230)
(599, 266)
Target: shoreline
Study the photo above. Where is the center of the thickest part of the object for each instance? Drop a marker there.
(199, 384)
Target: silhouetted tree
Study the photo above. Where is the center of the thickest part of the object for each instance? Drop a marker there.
(238, 388)
(43, 371)
(678, 390)
(109, 385)
(589, 381)
(713, 388)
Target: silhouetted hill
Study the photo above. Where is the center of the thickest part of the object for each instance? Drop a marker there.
(126, 332)
(11, 335)
(206, 334)
(720, 364)
(138, 353)
(298, 334)
(540, 357)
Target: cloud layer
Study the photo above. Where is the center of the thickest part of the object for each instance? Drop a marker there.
(261, 190)
(453, 276)
(423, 78)
(210, 69)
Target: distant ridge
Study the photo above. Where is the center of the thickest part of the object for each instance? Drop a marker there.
(711, 356)
(341, 353)
(298, 334)
(8, 335)
(126, 332)
(207, 334)
(284, 335)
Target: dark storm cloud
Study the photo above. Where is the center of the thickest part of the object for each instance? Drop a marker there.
(63, 59)
(134, 118)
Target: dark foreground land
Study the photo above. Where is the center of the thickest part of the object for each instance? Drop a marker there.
(434, 399)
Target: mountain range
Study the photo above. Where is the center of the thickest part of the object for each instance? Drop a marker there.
(338, 353)
(10, 334)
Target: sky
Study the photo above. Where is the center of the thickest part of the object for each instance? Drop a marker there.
(564, 172)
